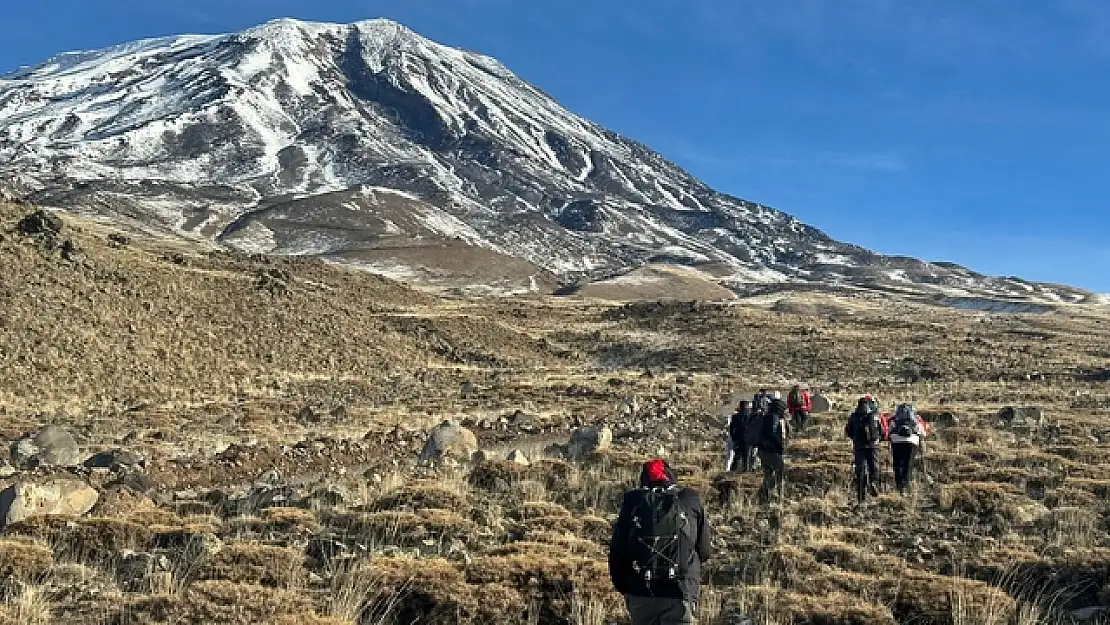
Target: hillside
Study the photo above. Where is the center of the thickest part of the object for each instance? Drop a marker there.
(256, 425)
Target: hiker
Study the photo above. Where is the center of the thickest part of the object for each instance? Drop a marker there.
(907, 430)
(660, 541)
(742, 436)
(761, 401)
(866, 431)
(774, 433)
(800, 404)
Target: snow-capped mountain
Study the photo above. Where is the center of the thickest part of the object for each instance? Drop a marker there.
(368, 144)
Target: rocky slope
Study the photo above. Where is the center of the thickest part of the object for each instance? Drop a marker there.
(368, 144)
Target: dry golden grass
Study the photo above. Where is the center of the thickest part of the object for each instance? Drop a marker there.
(182, 361)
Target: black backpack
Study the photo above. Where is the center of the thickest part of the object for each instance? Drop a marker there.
(655, 535)
(904, 422)
(773, 435)
(761, 404)
(867, 430)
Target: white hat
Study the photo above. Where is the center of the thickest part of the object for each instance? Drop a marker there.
(776, 395)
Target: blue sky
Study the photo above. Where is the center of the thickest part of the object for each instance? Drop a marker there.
(973, 131)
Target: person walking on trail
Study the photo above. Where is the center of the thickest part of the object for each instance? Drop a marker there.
(742, 437)
(907, 431)
(800, 404)
(660, 542)
(774, 434)
(865, 430)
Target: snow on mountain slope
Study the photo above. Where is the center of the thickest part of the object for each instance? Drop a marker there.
(338, 140)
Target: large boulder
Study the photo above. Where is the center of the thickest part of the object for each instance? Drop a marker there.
(449, 439)
(589, 440)
(52, 446)
(24, 500)
(820, 403)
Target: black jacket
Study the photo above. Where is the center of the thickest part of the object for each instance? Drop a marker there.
(768, 441)
(857, 421)
(695, 548)
(741, 430)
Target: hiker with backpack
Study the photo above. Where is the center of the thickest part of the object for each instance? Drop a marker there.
(742, 436)
(774, 434)
(865, 430)
(907, 432)
(660, 541)
(800, 404)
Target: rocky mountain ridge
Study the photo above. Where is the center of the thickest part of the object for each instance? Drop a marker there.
(369, 145)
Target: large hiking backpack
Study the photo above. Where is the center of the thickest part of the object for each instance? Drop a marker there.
(655, 535)
(904, 423)
(773, 434)
(761, 404)
(867, 429)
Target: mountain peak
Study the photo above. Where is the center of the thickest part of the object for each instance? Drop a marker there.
(368, 144)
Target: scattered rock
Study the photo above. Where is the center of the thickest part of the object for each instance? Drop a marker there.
(577, 390)
(628, 407)
(1026, 416)
(41, 222)
(467, 390)
(274, 280)
(69, 251)
(119, 240)
(50, 446)
(115, 459)
(449, 440)
(25, 500)
(821, 403)
(524, 422)
(6, 469)
(589, 440)
(517, 456)
(307, 415)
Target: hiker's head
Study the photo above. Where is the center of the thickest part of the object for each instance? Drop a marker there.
(744, 406)
(656, 473)
(864, 403)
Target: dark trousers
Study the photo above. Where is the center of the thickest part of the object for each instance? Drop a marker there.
(744, 459)
(903, 456)
(774, 474)
(659, 610)
(867, 471)
(800, 419)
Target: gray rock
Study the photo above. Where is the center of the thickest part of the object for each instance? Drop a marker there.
(820, 403)
(52, 446)
(115, 459)
(41, 222)
(589, 440)
(449, 440)
(25, 500)
(1021, 417)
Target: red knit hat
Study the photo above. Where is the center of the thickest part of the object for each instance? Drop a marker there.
(656, 471)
